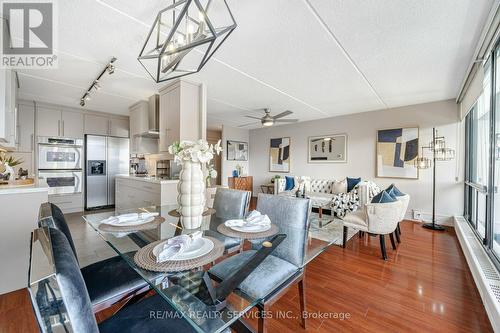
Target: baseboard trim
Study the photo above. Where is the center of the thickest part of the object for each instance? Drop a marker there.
(484, 272)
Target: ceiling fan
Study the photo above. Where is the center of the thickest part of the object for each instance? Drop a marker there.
(269, 120)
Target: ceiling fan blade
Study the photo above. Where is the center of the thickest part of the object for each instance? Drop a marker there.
(286, 120)
(282, 114)
(253, 117)
(254, 123)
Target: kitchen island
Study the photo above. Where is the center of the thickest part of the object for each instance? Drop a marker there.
(134, 192)
(19, 205)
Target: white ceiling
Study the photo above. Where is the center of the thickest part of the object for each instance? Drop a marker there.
(318, 58)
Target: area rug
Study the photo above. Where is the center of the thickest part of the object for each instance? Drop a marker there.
(333, 230)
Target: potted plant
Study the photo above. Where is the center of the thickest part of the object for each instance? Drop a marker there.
(6, 166)
(192, 156)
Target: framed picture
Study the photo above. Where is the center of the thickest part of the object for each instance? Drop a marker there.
(328, 149)
(397, 150)
(237, 151)
(279, 155)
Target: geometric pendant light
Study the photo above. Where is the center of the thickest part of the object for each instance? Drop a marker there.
(184, 36)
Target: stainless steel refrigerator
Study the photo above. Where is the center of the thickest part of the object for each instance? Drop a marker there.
(105, 157)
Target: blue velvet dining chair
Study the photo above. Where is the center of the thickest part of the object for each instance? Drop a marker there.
(108, 281)
(74, 307)
(228, 204)
(284, 267)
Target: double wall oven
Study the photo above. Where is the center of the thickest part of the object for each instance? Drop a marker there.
(60, 164)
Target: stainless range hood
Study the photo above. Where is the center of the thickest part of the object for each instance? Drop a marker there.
(153, 118)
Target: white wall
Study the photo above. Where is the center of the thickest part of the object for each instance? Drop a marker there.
(237, 134)
(361, 129)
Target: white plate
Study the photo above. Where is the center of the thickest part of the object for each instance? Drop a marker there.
(253, 229)
(132, 223)
(199, 247)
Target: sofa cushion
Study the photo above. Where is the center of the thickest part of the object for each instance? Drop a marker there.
(339, 186)
(321, 186)
(394, 191)
(352, 182)
(290, 183)
(383, 197)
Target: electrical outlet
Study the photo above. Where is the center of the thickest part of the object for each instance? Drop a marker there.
(417, 215)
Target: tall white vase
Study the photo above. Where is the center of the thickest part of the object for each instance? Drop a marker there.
(191, 197)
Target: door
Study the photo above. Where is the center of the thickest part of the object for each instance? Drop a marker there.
(48, 122)
(26, 128)
(118, 163)
(72, 124)
(95, 172)
(119, 127)
(96, 125)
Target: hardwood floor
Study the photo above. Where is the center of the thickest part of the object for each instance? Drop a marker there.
(424, 286)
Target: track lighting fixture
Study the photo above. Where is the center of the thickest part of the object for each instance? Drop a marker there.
(96, 85)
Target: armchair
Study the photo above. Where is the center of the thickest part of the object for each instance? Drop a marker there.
(376, 218)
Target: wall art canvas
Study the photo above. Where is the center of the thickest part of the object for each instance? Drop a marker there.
(237, 150)
(328, 149)
(279, 155)
(397, 150)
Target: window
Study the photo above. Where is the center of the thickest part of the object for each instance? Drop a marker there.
(482, 161)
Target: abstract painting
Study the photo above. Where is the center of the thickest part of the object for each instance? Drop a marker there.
(279, 155)
(328, 149)
(397, 150)
(237, 151)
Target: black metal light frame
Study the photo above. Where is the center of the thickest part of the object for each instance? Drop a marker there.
(146, 54)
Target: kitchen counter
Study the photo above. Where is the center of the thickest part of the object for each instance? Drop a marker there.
(18, 218)
(148, 179)
(32, 188)
(135, 192)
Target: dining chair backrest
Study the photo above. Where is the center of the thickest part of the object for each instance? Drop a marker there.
(71, 285)
(229, 204)
(52, 216)
(291, 215)
(405, 201)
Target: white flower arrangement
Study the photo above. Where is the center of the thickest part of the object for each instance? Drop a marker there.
(195, 151)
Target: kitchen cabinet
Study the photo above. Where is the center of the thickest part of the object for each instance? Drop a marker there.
(48, 122)
(26, 127)
(55, 122)
(119, 127)
(72, 124)
(102, 125)
(8, 109)
(97, 125)
(182, 113)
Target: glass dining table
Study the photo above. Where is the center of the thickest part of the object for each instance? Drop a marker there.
(187, 291)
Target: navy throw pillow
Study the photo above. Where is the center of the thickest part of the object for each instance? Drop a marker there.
(383, 197)
(352, 182)
(392, 189)
(290, 183)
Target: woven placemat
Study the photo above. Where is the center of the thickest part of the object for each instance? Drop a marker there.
(144, 258)
(128, 228)
(247, 235)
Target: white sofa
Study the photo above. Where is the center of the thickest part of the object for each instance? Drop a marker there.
(320, 193)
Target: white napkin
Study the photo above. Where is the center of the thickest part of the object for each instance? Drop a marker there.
(130, 218)
(176, 245)
(254, 221)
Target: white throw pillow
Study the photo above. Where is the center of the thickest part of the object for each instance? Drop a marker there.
(301, 182)
(339, 186)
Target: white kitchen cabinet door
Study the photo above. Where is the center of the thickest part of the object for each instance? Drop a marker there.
(170, 109)
(72, 124)
(26, 128)
(48, 122)
(96, 125)
(119, 127)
